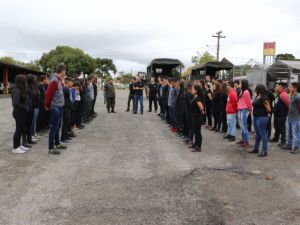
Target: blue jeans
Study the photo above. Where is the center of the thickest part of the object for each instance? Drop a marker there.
(34, 121)
(231, 123)
(55, 125)
(137, 99)
(294, 133)
(260, 126)
(173, 116)
(244, 113)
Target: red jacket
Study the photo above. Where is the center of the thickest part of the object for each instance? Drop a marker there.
(232, 102)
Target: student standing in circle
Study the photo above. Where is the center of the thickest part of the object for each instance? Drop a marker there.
(138, 88)
(197, 111)
(261, 113)
(19, 103)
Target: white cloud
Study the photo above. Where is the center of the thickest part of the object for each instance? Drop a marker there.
(133, 32)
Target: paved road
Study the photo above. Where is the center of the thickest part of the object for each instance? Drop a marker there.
(130, 170)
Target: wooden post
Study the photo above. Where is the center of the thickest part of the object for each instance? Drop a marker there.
(5, 80)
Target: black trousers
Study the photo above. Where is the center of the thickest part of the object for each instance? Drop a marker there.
(20, 119)
(209, 116)
(217, 120)
(280, 128)
(224, 121)
(249, 122)
(93, 105)
(110, 103)
(41, 121)
(130, 98)
(27, 136)
(153, 99)
(87, 110)
(66, 124)
(196, 123)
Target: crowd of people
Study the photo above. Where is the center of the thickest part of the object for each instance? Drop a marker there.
(223, 107)
(56, 103)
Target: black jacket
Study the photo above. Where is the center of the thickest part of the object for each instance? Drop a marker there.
(19, 103)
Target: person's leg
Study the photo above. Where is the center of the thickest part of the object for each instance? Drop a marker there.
(113, 103)
(290, 133)
(128, 102)
(20, 121)
(108, 104)
(209, 117)
(155, 103)
(249, 123)
(136, 101)
(244, 120)
(297, 135)
(150, 103)
(282, 128)
(269, 127)
(262, 126)
(54, 124)
(29, 126)
(60, 115)
(277, 128)
(64, 129)
(197, 133)
(142, 103)
(229, 125)
(258, 136)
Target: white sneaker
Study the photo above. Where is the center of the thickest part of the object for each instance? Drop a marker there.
(37, 136)
(34, 139)
(24, 148)
(18, 151)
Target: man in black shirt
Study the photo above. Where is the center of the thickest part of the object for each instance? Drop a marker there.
(131, 95)
(138, 88)
(152, 94)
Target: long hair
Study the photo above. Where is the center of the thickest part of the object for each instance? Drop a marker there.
(30, 81)
(218, 89)
(244, 86)
(21, 85)
(261, 89)
(198, 89)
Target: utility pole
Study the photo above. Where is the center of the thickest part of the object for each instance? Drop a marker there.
(219, 36)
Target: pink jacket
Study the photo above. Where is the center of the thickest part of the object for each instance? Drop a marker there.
(245, 101)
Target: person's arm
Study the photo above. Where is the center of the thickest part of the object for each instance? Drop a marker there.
(285, 99)
(52, 87)
(209, 96)
(234, 100)
(200, 106)
(248, 101)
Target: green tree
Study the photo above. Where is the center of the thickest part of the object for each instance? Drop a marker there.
(75, 60)
(202, 58)
(285, 56)
(105, 67)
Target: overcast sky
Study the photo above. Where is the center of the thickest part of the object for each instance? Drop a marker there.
(132, 32)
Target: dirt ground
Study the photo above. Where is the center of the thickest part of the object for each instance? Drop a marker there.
(126, 169)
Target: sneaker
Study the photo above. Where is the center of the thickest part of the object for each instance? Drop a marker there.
(24, 148)
(240, 142)
(127, 110)
(254, 151)
(262, 154)
(231, 139)
(245, 145)
(64, 142)
(282, 144)
(18, 151)
(296, 151)
(54, 151)
(61, 147)
(32, 142)
(227, 137)
(273, 140)
(34, 139)
(286, 147)
(113, 111)
(36, 136)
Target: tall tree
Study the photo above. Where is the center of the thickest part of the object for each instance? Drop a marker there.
(202, 58)
(75, 60)
(105, 67)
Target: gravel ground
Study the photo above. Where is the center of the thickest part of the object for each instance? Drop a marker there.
(126, 169)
